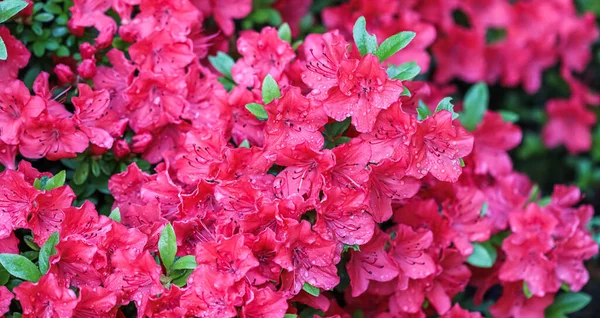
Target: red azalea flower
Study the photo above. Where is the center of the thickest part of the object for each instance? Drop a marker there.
(16, 108)
(492, 139)
(175, 16)
(408, 251)
(264, 248)
(126, 186)
(134, 279)
(576, 35)
(245, 125)
(205, 299)
(202, 155)
(166, 305)
(569, 255)
(9, 244)
(5, 298)
(17, 200)
(208, 106)
(458, 312)
(46, 298)
(18, 57)
(292, 12)
(350, 170)
(52, 138)
(324, 54)
(72, 263)
(460, 54)
(450, 280)
(265, 302)
(228, 259)
(570, 124)
(513, 303)
(161, 53)
(419, 213)
(8, 153)
(163, 191)
(526, 260)
(48, 215)
(224, 11)
(437, 146)
(155, 100)
(293, 120)
(464, 213)
(363, 91)
(262, 53)
(41, 87)
(115, 80)
(97, 120)
(343, 216)
(95, 302)
(371, 263)
(391, 133)
(84, 223)
(389, 183)
(88, 13)
(306, 257)
(304, 175)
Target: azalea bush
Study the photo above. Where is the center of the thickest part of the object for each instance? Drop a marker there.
(298, 158)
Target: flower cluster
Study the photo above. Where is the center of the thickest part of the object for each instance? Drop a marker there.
(304, 178)
(499, 41)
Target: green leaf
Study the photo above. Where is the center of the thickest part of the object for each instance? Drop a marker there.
(290, 316)
(462, 162)
(59, 31)
(509, 116)
(167, 245)
(46, 251)
(270, 89)
(476, 103)
(354, 247)
(568, 303)
(423, 111)
(186, 262)
(81, 173)
(404, 72)
(62, 19)
(3, 52)
(36, 27)
(311, 289)
(222, 63)
(44, 17)
(95, 168)
(285, 33)
(257, 110)
(526, 290)
(484, 209)
(365, 42)
(20, 267)
(29, 241)
(484, 255)
(394, 44)
(337, 128)
(182, 280)
(445, 104)
(39, 48)
(115, 215)
(405, 92)
(52, 8)
(52, 45)
(8, 8)
(4, 276)
(55, 182)
(244, 144)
